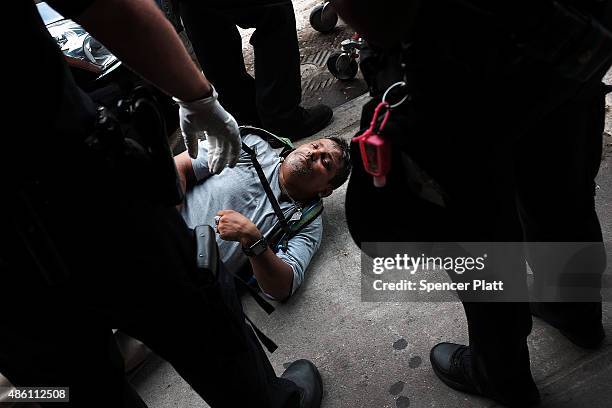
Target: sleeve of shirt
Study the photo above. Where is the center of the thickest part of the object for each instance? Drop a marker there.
(70, 8)
(200, 164)
(301, 248)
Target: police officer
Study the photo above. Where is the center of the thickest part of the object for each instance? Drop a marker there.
(88, 244)
(504, 129)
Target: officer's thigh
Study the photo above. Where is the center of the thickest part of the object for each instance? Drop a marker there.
(58, 348)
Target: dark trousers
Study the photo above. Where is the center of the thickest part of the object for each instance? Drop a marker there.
(516, 148)
(272, 98)
(554, 167)
(519, 157)
(127, 264)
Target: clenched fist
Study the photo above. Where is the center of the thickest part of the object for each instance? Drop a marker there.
(234, 226)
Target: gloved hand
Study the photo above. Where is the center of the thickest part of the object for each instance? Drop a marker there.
(206, 118)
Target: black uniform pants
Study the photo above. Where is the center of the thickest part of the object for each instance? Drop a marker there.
(518, 154)
(550, 199)
(536, 185)
(516, 148)
(128, 264)
(272, 98)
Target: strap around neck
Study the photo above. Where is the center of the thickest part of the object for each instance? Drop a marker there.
(267, 189)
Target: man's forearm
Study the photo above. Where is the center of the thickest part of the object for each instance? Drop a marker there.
(274, 276)
(138, 33)
(184, 170)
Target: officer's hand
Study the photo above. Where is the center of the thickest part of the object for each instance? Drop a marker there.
(233, 226)
(206, 118)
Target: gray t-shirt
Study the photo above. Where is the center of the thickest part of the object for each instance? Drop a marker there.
(240, 189)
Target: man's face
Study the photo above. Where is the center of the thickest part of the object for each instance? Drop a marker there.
(309, 169)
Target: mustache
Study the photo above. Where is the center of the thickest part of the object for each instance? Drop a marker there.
(302, 167)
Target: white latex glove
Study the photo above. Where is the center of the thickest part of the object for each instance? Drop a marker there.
(206, 118)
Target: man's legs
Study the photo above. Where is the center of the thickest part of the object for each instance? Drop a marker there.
(218, 46)
(558, 163)
(277, 63)
(476, 172)
(277, 74)
(54, 350)
(496, 361)
(276, 92)
(555, 164)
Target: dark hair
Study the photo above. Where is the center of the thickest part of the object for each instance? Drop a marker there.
(345, 162)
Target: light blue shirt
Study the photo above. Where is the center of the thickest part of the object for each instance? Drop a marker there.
(240, 189)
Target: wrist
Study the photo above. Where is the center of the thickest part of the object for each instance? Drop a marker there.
(250, 237)
(256, 248)
(203, 91)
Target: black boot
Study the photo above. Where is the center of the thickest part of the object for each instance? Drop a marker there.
(579, 322)
(303, 122)
(452, 363)
(306, 376)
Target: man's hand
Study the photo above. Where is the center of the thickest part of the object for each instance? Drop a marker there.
(234, 226)
(207, 118)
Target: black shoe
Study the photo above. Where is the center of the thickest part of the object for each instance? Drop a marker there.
(305, 375)
(590, 335)
(305, 122)
(452, 363)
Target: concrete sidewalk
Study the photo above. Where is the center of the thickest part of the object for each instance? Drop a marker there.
(376, 354)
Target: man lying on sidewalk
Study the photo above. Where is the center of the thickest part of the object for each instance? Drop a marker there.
(244, 214)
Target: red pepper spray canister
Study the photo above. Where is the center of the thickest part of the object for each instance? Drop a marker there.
(376, 150)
